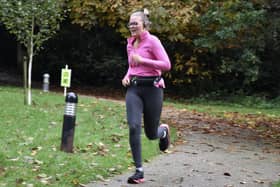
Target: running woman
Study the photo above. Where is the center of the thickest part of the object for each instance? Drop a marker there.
(147, 60)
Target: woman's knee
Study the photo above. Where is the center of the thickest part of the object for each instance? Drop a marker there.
(151, 135)
(151, 130)
(134, 129)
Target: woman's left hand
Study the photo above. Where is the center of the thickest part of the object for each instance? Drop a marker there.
(125, 82)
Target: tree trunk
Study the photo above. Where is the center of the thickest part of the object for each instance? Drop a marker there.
(29, 96)
(25, 80)
(30, 55)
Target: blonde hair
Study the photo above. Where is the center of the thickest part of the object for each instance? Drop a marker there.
(144, 14)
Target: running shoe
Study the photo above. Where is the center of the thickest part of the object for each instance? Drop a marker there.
(165, 142)
(136, 178)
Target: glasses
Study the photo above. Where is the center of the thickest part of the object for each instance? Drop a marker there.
(132, 24)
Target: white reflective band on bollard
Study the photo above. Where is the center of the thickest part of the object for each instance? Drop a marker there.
(46, 82)
(70, 109)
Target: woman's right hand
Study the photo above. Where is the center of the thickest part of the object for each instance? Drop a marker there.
(136, 60)
(125, 82)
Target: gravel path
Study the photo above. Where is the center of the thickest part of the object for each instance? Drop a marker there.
(226, 156)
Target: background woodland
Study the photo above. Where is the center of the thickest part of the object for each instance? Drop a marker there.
(216, 46)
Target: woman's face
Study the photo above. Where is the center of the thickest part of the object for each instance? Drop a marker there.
(135, 25)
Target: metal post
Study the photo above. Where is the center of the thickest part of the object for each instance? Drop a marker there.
(69, 122)
(46, 82)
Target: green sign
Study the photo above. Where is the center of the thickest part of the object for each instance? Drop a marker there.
(65, 77)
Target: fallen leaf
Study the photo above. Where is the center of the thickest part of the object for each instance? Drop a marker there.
(38, 162)
(2, 170)
(227, 174)
(75, 181)
(42, 175)
(14, 159)
(258, 181)
(100, 177)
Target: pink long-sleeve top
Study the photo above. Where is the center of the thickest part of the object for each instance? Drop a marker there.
(154, 57)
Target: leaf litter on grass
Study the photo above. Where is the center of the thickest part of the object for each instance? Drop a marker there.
(252, 126)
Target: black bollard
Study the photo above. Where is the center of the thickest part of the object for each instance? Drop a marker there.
(69, 119)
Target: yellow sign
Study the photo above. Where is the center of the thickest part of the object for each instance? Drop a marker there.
(65, 77)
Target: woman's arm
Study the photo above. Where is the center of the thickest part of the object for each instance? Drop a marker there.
(162, 61)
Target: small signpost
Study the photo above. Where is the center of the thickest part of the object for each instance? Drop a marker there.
(65, 78)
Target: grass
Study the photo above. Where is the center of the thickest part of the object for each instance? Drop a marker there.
(240, 104)
(30, 136)
(30, 140)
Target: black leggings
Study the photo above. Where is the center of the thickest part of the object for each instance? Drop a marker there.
(146, 101)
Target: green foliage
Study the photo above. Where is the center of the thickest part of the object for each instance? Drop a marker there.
(234, 31)
(217, 43)
(276, 185)
(18, 16)
(216, 38)
(269, 71)
(245, 68)
(170, 18)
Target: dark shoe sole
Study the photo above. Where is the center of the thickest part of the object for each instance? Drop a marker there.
(168, 138)
(134, 181)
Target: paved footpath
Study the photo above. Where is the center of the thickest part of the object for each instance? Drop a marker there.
(210, 160)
